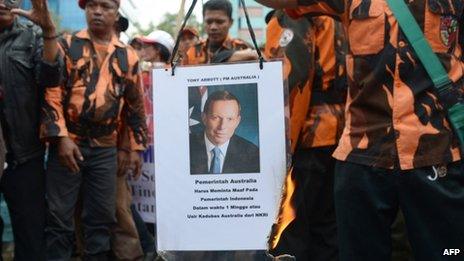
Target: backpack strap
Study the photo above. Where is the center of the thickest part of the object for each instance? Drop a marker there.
(123, 61)
(76, 49)
(447, 93)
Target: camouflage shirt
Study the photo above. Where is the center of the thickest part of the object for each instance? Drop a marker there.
(201, 54)
(393, 116)
(293, 41)
(325, 119)
(95, 96)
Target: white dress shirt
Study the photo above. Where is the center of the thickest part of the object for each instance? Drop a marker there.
(209, 151)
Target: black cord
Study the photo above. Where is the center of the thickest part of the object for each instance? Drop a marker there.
(187, 16)
(252, 34)
(176, 47)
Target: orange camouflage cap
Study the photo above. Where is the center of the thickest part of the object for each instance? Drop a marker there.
(190, 30)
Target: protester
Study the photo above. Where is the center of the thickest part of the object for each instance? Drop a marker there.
(121, 25)
(81, 119)
(137, 45)
(28, 64)
(157, 49)
(397, 149)
(312, 234)
(125, 240)
(219, 47)
(188, 38)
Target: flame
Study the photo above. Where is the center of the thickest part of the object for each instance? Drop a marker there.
(287, 212)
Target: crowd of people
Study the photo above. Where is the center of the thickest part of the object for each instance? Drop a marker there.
(373, 151)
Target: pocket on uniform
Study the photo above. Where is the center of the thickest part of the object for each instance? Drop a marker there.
(21, 58)
(366, 30)
(441, 24)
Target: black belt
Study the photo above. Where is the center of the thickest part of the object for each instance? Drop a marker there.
(91, 130)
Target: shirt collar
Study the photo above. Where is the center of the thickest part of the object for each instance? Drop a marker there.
(210, 146)
(84, 34)
(227, 44)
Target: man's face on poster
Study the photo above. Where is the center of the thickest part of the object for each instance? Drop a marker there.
(221, 120)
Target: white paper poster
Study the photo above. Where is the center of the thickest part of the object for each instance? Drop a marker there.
(143, 189)
(220, 155)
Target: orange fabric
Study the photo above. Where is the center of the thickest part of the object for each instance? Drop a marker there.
(325, 119)
(90, 110)
(102, 52)
(200, 53)
(393, 116)
(293, 41)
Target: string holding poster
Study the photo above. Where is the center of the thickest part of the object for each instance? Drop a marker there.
(220, 155)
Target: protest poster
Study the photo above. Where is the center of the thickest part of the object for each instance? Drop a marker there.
(220, 155)
(143, 188)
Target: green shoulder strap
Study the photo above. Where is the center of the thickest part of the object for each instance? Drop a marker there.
(420, 44)
(430, 61)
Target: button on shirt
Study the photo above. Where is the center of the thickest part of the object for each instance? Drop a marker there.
(209, 151)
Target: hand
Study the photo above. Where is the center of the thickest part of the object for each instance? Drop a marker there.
(243, 55)
(69, 154)
(129, 162)
(40, 15)
(136, 162)
(123, 162)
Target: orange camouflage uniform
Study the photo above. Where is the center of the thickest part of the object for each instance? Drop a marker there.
(393, 116)
(200, 53)
(96, 95)
(325, 119)
(293, 41)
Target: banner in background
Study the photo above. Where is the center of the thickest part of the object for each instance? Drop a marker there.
(143, 189)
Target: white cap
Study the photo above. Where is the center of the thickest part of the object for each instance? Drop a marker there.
(161, 37)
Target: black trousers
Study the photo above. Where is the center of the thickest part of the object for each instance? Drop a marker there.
(96, 182)
(23, 186)
(367, 200)
(313, 234)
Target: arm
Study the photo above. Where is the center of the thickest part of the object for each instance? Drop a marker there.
(133, 113)
(298, 8)
(53, 125)
(46, 73)
(279, 4)
(243, 55)
(40, 15)
(128, 160)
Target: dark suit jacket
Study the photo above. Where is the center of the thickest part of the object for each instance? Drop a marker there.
(242, 156)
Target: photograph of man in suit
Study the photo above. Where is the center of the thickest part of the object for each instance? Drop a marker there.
(218, 149)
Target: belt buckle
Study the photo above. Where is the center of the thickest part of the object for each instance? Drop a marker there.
(442, 171)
